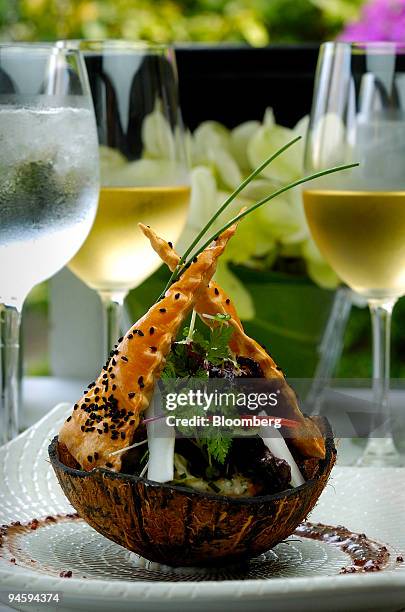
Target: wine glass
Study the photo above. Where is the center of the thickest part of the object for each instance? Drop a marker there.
(143, 169)
(357, 218)
(48, 185)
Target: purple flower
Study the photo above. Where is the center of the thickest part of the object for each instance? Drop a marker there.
(380, 20)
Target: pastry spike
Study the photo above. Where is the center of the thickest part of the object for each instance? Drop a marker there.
(108, 414)
(212, 301)
(306, 437)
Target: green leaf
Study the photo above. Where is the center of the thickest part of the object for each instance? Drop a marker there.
(218, 447)
(217, 346)
(290, 317)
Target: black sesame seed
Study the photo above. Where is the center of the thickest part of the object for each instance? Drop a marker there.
(124, 358)
(130, 336)
(112, 375)
(227, 301)
(194, 259)
(216, 291)
(120, 339)
(122, 435)
(140, 332)
(170, 244)
(132, 422)
(89, 458)
(153, 349)
(152, 331)
(176, 297)
(100, 431)
(82, 428)
(96, 456)
(68, 419)
(114, 387)
(109, 465)
(162, 309)
(131, 394)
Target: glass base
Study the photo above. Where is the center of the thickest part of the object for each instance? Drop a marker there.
(381, 452)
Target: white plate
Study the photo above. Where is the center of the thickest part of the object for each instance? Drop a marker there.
(297, 575)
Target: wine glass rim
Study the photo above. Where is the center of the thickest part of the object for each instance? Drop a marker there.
(38, 47)
(89, 45)
(365, 46)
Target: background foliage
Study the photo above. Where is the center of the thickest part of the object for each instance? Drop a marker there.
(257, 22)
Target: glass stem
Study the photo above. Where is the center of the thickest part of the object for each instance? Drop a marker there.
(112, 310)
(380, 449)
(10, 319)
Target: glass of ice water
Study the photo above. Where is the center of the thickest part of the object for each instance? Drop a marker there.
(48, 185)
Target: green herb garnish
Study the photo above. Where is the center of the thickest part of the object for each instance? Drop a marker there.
(218, 347)
(181, 367)
(218, 447)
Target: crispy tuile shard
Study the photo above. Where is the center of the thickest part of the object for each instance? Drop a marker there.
(106, 409)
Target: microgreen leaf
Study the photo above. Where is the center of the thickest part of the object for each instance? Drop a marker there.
(218, 349)
(218, 447)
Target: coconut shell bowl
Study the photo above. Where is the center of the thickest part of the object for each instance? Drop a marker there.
(178, 526)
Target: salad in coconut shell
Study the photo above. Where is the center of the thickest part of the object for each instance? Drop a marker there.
(189, 501)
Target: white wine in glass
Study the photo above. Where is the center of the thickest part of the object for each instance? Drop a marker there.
(362, 235)
(357, 218)
(116, 256)
(144, 173)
